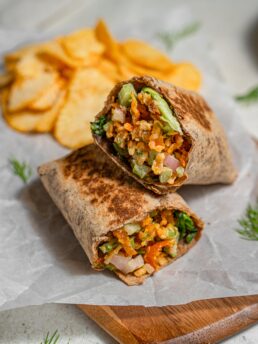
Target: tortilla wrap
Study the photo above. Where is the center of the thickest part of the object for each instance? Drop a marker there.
(96, 197)
(210, 159)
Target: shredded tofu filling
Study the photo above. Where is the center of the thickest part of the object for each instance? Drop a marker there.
(141, 137)
(143, 247)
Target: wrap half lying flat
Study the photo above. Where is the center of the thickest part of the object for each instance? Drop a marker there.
(163, 136)
(120, 225)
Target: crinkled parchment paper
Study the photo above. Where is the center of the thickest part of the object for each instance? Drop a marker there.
(40, 259)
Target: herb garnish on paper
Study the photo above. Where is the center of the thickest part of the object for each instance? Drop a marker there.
(21, 169)
(51, 340)
(249, 97)
(249, 223)
(169, 39)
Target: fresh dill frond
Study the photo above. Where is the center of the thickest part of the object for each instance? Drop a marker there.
(249, 223)
(51, 340)
(21, 169)
(169, 39)
(249, 97)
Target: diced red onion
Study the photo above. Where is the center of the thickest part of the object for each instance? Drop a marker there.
(171, 162)
(127, 264)
(118, 115)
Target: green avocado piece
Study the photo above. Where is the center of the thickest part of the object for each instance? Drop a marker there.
(125, 94)
(140, 170)
(167, 115)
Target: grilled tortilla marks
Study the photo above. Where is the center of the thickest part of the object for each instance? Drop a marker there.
(104, 182)
(186, 104)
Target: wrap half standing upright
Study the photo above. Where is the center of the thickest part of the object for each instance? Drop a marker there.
(163, 136)
(120, 225)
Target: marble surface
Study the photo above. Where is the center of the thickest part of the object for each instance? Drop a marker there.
(227, 23)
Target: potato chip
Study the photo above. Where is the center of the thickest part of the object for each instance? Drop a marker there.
(10, 66)
(16, 55)
(185, 75)
(105, 37)
(139, 70)
(25, 91)
(6, 79)
(54, 53)
(109, 69)
(4, 94)
(29, 121)
(60, 85)
(87, 93)
(48, 118)
(48, 98)
(145, 55)
(82, 45)
(126, 72)
(25, 124)
(29, 66)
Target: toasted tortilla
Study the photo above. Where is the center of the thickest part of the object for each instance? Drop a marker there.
(210, 159)
(96, 197)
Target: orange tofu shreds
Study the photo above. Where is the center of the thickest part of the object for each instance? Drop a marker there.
(154, 251)
(124, 240)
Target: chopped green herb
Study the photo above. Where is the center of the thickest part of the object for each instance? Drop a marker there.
(152, 157)
(169, 39)
(249, 97)
(21, 169)
(120, 151)
(249, 223)
(138, 152)
(132, 242)
(107, 247)
(97, 127)
(107, 125)
(51, 340)
(153, 213)
(185, 225)
(110, 267)
(172, 251)
(140, 170)
(189, 237)
(172, 233)
(141, 251)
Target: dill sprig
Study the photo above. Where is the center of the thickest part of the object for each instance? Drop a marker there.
(249, 97)
(21, 169)
(249, 223)
(169, 39)
(51, 340)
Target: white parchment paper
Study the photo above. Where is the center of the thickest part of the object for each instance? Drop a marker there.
(40, 259)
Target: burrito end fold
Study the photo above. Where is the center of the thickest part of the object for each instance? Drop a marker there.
(163, 136)
(121, 226)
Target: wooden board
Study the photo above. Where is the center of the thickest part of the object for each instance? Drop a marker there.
(206, 321)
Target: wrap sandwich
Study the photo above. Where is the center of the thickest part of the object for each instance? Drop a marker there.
(163, 136)
(121, 226)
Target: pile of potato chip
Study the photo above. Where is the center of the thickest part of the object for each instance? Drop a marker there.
(59, 86)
